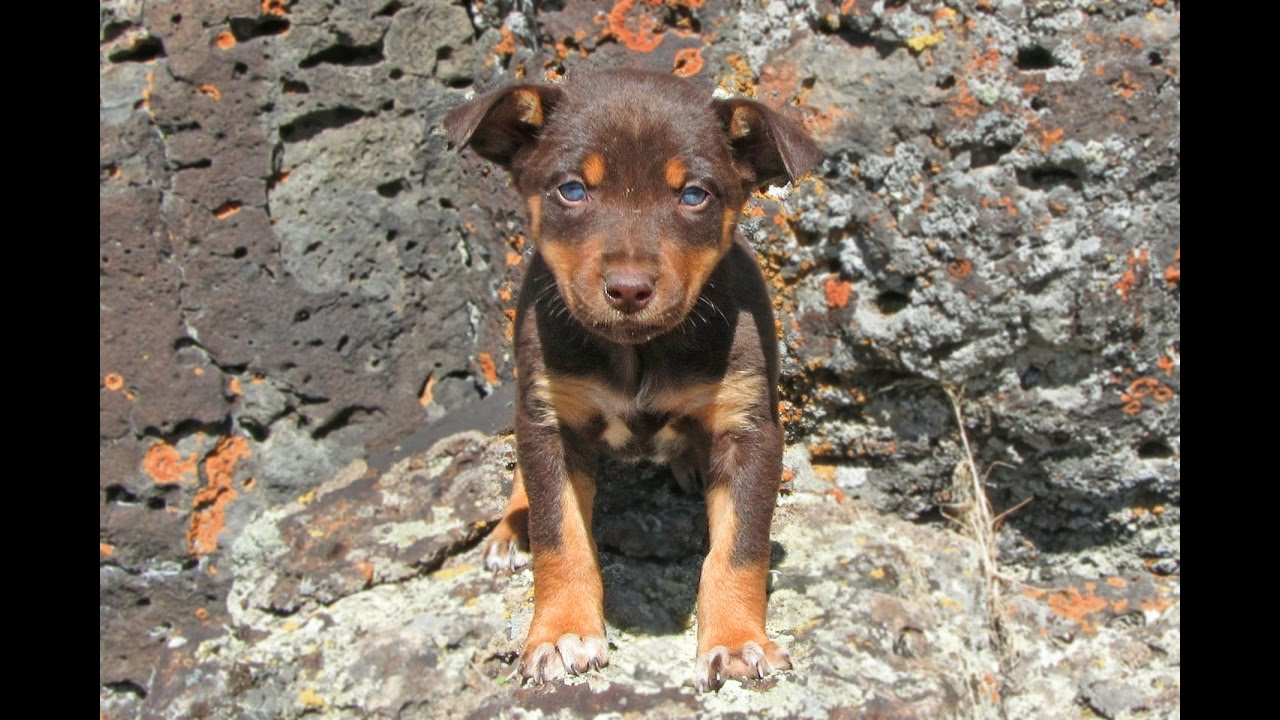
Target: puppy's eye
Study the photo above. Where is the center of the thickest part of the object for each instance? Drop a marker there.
(572, 192)
(693, 196)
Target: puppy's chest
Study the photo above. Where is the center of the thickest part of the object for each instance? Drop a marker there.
(644, 424)
(656, 421)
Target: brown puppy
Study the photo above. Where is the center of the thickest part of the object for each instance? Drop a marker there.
(643, 329)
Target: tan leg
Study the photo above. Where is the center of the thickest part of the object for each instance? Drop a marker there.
(731, 603)
(567, 633)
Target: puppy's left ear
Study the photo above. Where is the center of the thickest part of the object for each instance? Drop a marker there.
(499, 124)
(765, 144)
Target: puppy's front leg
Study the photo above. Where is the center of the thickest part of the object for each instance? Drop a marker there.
(567, 633)
(746, 466)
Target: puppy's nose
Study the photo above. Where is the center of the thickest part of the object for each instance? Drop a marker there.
(628, 291)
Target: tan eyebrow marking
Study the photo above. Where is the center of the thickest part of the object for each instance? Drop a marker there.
(593, 169)
(675, 173)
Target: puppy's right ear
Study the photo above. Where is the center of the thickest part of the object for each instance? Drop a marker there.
(498, 124)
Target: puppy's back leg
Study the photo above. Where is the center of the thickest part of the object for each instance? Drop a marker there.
(508, 547)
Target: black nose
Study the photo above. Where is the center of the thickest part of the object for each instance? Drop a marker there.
(628, 291)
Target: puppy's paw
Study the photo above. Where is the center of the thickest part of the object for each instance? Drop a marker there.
(505, 553)
(568, 655)
(750, 660)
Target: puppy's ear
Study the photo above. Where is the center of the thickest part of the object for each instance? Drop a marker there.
(498, 124)
(766, 145)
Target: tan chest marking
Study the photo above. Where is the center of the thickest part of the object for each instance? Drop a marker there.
(577, 401)
(729, 405)
(724, 406)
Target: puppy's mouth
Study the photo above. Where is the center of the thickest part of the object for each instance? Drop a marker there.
(662, 315)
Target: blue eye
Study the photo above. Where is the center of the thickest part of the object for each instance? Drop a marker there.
(572, 192)
(693, 196)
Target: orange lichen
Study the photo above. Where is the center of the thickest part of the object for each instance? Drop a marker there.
(1173, 273)
(148, 87)
(211, 90)
(1117, 582)
(427, 396)
(964, 104)
(1143, 387)
(225, 40)
(366, 569)
(488, 367)
(959, 268)
(1156, 605)
(1049, 138)
(209, 506)
(1126, 283)
(1077, 607)
(197, 371)
(212, 569)
(1133, 407)
(824, 122)
(113, 381)
(165, 465)
(688, 62)
(106, 549)
(513, 258)
(643, 39)
(1162, 394)
(1057, 208)
(507, 46)
(1133, 41)
(233, 386)
(201, 613)
(837, 290)
(278, 8)
(1126, 87)
(993, 688)
(1165, 364)
(227, 209)
(510, 315)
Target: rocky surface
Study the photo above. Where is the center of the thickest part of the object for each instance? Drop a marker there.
(296, 277)
(367, 597)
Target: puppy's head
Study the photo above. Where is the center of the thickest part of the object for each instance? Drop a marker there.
(634, 182)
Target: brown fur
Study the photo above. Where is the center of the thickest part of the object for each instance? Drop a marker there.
(688, 377)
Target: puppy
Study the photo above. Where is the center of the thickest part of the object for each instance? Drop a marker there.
(643, 330)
